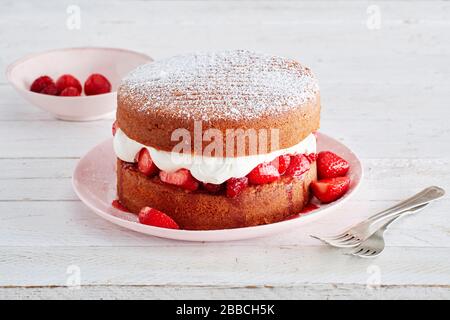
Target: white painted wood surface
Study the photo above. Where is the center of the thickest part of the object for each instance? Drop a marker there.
(385, 93)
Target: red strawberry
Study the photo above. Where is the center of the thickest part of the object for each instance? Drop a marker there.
(68, 80)
(40, 83)
(235, 186)
(330, 165)
(282, 163)
(145, 163)
(116, 204)
(114, 128)
(328, 190)
(263, 173)
(212, 188)
(311, 157)
(96, 84)
(299, 165)
(182, 178)
(156, 218)
(70, 92)
(50, 90)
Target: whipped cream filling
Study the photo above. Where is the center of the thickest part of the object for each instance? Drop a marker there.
(206, 169)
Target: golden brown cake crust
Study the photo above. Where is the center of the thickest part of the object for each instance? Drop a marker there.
(223, 90)
(256, 205)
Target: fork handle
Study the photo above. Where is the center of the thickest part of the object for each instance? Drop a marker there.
(386, 221)
(426, 195)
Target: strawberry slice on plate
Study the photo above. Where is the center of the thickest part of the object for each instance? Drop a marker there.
(156, 218)
(145, 163)
(263, 173)
(329, 190)
(330, 165)
(181, 178)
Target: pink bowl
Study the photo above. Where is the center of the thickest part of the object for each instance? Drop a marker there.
(80, 62)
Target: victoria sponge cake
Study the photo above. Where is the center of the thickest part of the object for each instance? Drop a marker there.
(217, 140)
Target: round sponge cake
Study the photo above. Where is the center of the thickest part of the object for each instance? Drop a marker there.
(223, 90)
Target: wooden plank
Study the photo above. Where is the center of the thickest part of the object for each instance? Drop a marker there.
(218, 265)
(304, 291)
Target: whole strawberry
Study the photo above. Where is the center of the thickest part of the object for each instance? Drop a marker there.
(330, 165)
(96, 84)
(66, 81)
(41, 83)
(70, 92)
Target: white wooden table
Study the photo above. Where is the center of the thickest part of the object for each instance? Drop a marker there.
(385, 91)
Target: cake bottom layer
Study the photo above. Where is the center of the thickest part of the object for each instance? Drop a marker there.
(256, 205)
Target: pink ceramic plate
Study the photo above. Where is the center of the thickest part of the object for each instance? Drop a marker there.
(94, 181)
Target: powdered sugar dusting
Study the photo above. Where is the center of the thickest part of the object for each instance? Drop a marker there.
(231, 85)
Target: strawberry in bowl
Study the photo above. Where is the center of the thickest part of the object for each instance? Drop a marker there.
(52, 80)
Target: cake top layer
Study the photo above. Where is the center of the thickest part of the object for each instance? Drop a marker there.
(225, 85)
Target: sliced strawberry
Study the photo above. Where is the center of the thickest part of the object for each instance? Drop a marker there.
(235, 186)
(156, 218)
(212, 188)
(114, 128)
(68, 80)
(116, 204)
(40, 83)
(311, 157)
(182, 178)
(330, 165)
(263, 173)
(328, 190)
(298, 166)
(282, 163)
(145, 163)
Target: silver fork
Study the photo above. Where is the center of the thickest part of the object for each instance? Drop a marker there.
(363, 230)
(374, 245)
